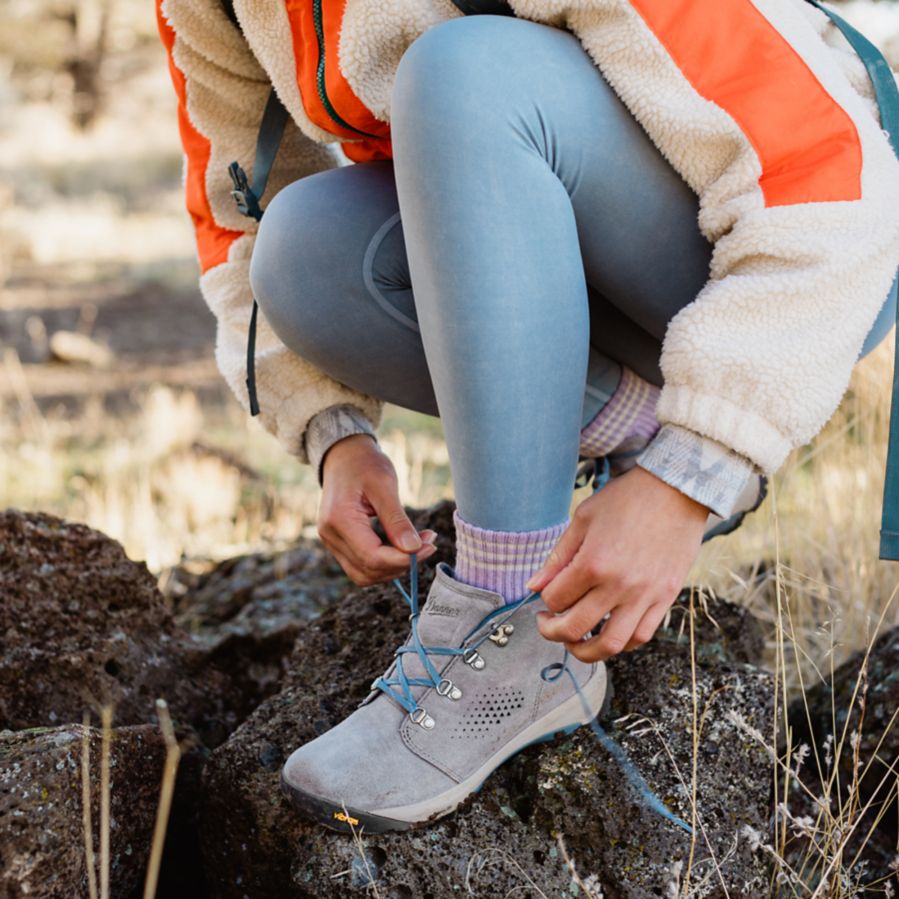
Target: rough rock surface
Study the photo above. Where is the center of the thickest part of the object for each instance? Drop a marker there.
(254, 845)
(246, 611)
(41, 833)
(84, 626)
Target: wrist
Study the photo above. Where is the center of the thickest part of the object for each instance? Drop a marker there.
(664, 497)
(670, 496)
(344, 449)
(328, 427)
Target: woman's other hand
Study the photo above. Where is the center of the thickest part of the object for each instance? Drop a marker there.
(626, 553)
(359, 482)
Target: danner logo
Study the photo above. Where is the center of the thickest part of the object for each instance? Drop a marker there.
(447, 611)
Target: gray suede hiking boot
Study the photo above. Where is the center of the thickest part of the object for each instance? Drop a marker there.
(474, 684)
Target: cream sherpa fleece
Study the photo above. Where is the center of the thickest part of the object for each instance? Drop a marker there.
(758, 362)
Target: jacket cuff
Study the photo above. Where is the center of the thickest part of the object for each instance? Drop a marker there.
(327, 427)
(699, 467)
(736, 426)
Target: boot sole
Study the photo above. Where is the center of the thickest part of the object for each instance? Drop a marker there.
(564, 719)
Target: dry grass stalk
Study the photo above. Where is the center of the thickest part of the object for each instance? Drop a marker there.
(33, 420)
(359, 845)
(695, 747)
(106, 718)
(480, 859)
(166, 791)
(86, 806)
(569, 862)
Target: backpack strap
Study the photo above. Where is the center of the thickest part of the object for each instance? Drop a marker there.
(888, 102)
(271, 130)
(484, 7)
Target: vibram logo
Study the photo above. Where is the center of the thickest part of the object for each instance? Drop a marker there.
(347, 819)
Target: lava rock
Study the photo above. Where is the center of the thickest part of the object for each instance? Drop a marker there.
(42, 845)
(255, 845)
(722, 630)
(83, 626)
(246, 611)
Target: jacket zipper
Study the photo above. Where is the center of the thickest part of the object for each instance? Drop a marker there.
(320, 74)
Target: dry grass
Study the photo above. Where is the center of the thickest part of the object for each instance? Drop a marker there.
(176, 479)
(166, 792)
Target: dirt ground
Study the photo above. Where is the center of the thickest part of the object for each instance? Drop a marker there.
(159, 331)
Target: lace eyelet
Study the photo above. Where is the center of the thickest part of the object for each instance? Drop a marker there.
(422, 718)
(447, 688)
(474, 658)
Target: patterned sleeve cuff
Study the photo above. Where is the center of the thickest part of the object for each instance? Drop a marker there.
(325, 428)
(699, 467)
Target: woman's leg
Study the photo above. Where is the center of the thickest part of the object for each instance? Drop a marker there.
(331, 274)
(521, 177)
(497, 218)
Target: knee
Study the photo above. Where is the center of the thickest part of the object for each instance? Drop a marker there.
(287, 257)
(445, 69)
(276, 242)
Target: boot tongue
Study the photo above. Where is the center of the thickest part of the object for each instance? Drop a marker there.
(451, 612)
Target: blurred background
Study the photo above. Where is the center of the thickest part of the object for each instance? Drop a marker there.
(112, 411)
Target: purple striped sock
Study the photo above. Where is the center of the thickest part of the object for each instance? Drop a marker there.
(501, 561)
(626, 423)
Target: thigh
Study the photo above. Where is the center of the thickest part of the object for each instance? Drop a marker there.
(637, 218)
(533, 88)
(329, 271)
(644, 255)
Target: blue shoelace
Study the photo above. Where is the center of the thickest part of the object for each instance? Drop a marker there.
(551, 673)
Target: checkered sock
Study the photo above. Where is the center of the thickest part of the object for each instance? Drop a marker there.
(502, 561)
(625, 425)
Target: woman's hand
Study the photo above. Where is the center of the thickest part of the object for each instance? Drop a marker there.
(627, 552)
(359, 481)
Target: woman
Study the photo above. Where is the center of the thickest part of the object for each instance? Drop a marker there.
(655, 232)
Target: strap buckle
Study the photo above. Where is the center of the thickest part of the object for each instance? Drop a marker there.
(247, 201)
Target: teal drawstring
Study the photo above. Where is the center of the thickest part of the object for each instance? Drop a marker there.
(404, 698)
(634, 778)
(550, 674)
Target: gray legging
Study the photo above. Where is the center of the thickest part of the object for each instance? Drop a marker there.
(547, 239)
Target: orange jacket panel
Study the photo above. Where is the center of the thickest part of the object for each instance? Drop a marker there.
(808, 146)
(213, 241)
(349, 109)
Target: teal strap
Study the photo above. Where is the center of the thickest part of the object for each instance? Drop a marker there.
(271, 130)
(888, 102)
(878, 70)
(251, 360)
